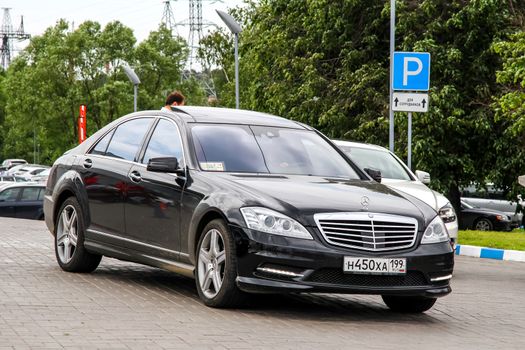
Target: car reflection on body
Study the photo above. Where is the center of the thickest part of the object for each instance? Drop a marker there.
(243, 202)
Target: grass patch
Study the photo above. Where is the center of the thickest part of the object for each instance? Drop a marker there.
(514, 240)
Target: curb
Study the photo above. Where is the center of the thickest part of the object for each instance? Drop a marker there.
(490, 253)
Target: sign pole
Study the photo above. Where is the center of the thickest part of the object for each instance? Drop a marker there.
(409, 161)
(392, 46)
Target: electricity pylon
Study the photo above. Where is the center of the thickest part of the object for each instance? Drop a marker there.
(196, 25)
(8, 35)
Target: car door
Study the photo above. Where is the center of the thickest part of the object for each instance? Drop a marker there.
(153, 203)
(8, 199)
(105, 170)
(30, 203)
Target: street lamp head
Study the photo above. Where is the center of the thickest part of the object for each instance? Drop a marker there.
(131, 74)
(230, 22)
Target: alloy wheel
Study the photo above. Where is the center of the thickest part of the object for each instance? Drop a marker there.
(483, 225)
(211, 263)
(67, 234)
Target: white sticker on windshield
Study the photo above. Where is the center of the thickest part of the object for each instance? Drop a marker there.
(212, 166)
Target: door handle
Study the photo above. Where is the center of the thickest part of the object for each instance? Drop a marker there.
(135, 176)
(88, 163)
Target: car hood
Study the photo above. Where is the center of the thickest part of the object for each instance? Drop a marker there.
(304, 196)
(419, 190)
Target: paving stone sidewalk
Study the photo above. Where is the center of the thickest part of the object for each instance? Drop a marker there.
(127, 306)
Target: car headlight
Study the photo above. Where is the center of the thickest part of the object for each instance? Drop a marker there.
(447, 213)
(436, 232)
(503, 218)
(270, 221)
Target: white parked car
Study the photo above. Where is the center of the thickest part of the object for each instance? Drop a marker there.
(41, 177)
(28, 172)
(9, 163)
(397, 175)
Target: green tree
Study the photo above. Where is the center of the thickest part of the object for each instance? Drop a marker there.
(326, 63)
(61, 69)
(509, 148)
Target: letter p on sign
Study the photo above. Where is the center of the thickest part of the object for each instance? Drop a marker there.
(411, 71)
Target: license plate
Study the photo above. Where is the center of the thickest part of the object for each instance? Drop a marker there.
(375, 266)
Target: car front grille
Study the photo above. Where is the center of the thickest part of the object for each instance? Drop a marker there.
(337, 276)
(367, 231)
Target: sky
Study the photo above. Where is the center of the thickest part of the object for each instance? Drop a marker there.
(142, 16)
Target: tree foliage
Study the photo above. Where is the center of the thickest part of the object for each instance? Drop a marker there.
(509, 148)
(326, 63)
(61, 69)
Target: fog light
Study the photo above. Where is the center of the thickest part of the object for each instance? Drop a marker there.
(279, 272)
(442, 278)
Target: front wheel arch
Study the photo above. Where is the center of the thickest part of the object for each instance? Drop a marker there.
(196, 233)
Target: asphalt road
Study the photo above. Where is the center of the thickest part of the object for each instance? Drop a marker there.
(123, 305)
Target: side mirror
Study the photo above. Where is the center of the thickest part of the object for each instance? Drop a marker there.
(374, 174)
(164, 165)
(423, 176)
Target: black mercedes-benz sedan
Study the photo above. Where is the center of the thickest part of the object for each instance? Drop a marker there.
(243, 202)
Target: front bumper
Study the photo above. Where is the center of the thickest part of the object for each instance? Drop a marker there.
(504, 225)
(270, 263)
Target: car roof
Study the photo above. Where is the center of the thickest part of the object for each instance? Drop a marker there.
(15, 160)
(360, 145)
(235, 116)
(22, 184)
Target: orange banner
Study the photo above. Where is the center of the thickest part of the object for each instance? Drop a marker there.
(82, 124)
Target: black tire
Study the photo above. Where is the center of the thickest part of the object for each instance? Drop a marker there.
(408, 304)
(78, 259)
(228, 294)
(483, 225)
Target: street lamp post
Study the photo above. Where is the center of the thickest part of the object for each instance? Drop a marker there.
(235, 28)
(135, 81)
(392, 48)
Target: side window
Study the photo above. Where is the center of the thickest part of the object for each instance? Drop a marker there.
(9, 195)
(30, 194)
(127, 139)
(165, 142)
(102, 144)
(41, 194)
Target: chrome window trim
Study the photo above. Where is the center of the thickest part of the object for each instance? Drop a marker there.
(87, 154)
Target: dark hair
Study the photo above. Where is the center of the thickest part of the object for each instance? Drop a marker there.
(175, 96)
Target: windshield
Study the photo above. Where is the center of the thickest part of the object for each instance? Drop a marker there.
(273, 150)
(376, 159)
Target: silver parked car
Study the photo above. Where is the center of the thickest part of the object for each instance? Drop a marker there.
(489, 197)
(396, 174)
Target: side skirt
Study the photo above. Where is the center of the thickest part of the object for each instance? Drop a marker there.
(139, 257)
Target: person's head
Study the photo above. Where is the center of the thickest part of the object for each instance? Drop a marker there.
(175, 99)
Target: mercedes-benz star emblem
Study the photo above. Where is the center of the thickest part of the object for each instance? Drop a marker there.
(365, 201)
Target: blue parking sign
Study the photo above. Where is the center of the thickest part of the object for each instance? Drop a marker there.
(411, 71)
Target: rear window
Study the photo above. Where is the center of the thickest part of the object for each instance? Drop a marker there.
(30, 194)
(127, 139)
